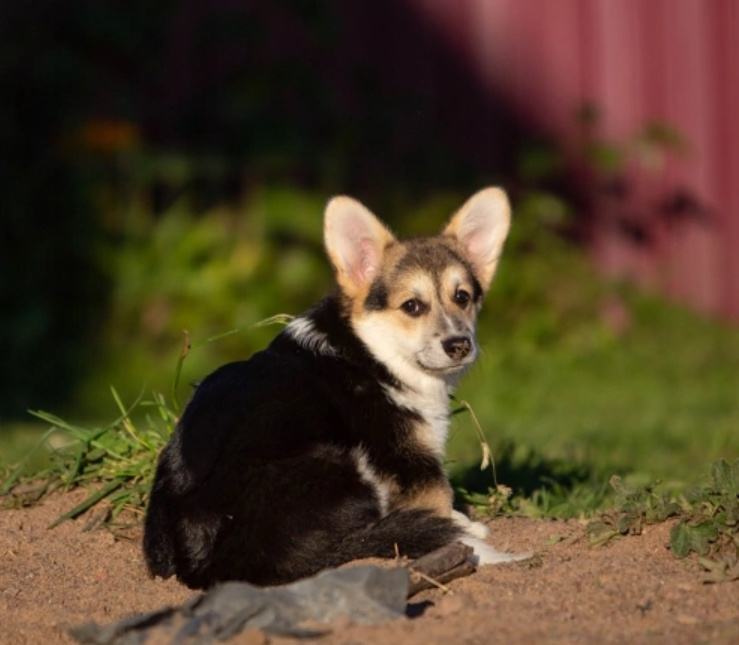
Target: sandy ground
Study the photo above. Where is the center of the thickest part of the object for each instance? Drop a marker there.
(630, 591)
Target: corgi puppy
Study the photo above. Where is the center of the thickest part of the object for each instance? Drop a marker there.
(328, 446)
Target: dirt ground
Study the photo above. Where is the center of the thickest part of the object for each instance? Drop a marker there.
(630, 591)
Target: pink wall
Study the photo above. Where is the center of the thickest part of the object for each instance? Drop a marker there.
(674, 61)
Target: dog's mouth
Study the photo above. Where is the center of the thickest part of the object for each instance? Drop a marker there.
(451, 356)
(442, 370)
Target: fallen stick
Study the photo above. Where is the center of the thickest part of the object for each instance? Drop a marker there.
(437, 568)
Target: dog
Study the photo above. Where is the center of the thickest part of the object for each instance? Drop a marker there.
(328, 446)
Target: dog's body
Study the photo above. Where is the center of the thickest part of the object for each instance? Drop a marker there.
(328, 446)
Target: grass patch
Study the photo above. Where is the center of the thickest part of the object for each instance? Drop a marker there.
(524, 482)
(657, 402)
(117, 461)
(707, 519)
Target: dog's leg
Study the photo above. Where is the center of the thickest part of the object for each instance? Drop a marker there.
(486, 554)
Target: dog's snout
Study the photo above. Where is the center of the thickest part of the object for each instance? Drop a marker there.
(457, 347)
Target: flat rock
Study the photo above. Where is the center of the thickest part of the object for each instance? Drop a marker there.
(363, 595)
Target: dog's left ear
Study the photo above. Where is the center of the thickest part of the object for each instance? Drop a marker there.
(481, 227)
(355, 242)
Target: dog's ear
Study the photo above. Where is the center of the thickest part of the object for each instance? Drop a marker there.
(481, 227)
(355, 242)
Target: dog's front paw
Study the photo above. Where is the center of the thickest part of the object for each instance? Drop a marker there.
(475, 529)
(478, 530)
(487, 554)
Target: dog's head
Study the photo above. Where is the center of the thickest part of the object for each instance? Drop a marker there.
(414, 303)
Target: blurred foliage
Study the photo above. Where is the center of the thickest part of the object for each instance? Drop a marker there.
(649, 146)
(164, 168)
(121, 121)
(210, 270)
(206, 273)
(53, 57)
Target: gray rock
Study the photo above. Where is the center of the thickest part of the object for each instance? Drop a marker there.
(363, 594)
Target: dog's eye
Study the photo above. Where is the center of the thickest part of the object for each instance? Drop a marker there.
(461, 297)
(413, 307)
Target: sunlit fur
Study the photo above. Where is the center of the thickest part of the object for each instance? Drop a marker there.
(304, 332)
(329, 445)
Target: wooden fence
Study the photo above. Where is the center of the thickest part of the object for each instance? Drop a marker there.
(674, 222)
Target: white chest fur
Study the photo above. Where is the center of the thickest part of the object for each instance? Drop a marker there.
(431, 401)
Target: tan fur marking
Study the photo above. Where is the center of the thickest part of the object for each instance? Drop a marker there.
(393, 251)
(437, 498)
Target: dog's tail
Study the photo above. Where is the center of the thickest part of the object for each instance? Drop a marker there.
(410, 533)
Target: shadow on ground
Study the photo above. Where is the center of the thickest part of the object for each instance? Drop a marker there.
(553, 486)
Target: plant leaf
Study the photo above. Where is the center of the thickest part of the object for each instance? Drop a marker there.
(621, 488)
(726, 477)
(685, 538)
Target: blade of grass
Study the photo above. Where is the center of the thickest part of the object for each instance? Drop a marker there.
(125, 421)
(487, 453)
(88, 502)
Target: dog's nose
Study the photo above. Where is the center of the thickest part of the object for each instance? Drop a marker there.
(457, 347)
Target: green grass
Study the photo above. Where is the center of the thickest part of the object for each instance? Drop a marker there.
(116, 461)
(657, 403)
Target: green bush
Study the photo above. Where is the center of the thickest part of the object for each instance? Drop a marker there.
(208, 273)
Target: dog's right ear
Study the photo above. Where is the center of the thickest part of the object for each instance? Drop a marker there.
(355, 242)
(481, 227)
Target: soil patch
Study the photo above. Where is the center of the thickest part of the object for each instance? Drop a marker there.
(631, 591)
